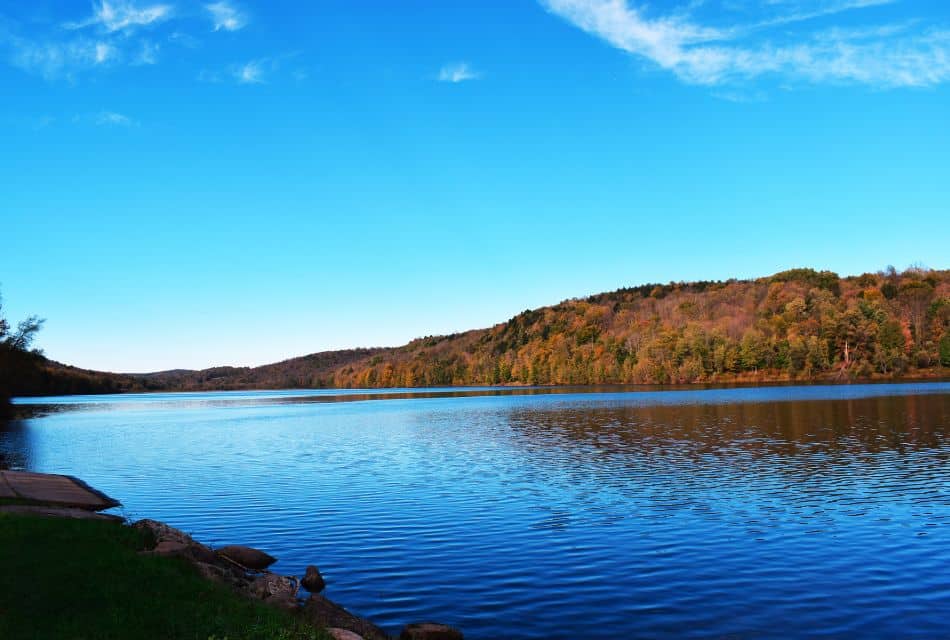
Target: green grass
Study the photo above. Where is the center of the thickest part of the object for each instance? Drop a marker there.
(84, 579)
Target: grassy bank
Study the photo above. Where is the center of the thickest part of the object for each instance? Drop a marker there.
(85, 579)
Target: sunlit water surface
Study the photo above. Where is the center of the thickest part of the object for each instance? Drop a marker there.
(768, 512)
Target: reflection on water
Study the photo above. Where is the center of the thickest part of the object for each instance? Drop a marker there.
(14, 445)
(540, 513)
(872, 423)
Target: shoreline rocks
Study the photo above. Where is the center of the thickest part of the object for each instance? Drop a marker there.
(244, 569)
(342, 634)
(430, 631)
(247, 557)
(323, 612)
(278, 590)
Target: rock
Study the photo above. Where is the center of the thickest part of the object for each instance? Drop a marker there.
(430, 631)
(248, 557)
(312, 580)
(213, 572)
(342, 634)
(224, 573)
(58, 512)
(185, 547)
(198, 552)
(322, 612)
(170, 548)
(159, 531)
(274, 589)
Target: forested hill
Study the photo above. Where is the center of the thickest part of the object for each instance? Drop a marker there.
(795, 325)
(40, 376)
(799, 324)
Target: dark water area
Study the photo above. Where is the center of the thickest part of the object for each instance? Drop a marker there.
(771, 512)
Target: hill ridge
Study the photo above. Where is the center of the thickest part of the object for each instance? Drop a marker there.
(799, 324)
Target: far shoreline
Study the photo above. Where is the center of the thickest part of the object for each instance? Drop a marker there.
(733, 382)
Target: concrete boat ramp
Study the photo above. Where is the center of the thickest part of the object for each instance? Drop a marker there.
(53, 495)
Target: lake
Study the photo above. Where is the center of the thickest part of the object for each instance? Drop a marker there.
(785, 511)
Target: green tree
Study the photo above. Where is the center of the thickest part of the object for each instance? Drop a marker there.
(889, 349)
(15, 354)
(752, 350)
(817, 355)
(945, 350)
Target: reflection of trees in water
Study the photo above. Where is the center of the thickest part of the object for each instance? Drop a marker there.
(856, 425)
(15, 448)
(680, 456)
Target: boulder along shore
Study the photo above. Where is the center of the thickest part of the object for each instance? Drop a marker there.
(241, 568)
(245, 570)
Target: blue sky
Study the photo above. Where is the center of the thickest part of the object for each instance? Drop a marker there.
(187, 184)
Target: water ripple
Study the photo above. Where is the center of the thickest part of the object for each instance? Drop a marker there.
(777, 512)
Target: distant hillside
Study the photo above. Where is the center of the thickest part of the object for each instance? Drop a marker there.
(303, 372)
(795, 325)
(800, 324)
(47, 377)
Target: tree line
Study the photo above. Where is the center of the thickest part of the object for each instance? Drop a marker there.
(799, 324)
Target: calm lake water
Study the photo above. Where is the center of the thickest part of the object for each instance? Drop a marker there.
(818, 511)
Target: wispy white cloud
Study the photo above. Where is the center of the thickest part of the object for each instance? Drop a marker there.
(119, 33)
(880, 55)
(797, 11)
(113, 119)
(249, 73)
(122, 15)
(457, 72)
(257, 71)
(225, 15)
(104, 51)
(183, 39)
(833, 34)
(54, 59)
(103, 40)
(148, 53)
